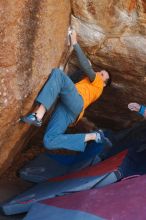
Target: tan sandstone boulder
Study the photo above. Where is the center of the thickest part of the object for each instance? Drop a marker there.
(113, 34)
(32, 42)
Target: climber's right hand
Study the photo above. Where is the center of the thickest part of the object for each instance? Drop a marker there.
(73, 37)
(133, 106)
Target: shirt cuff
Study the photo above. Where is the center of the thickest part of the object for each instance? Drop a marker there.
(142, 110)
(76, 46)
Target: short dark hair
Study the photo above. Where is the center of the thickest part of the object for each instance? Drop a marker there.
(109, 80)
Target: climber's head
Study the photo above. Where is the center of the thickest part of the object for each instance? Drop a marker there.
(106, 76)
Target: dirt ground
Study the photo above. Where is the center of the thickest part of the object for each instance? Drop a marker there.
(10, 182)
(8, 189)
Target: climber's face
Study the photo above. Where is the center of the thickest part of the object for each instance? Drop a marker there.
(105, 76)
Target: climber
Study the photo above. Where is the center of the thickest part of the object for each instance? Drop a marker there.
(134, 162)
(141, 109)
(74, 99)
(133, 139)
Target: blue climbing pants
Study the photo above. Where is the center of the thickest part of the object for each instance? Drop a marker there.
(66, 112)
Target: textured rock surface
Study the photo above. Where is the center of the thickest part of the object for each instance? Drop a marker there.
(113, 34)
(32, 42)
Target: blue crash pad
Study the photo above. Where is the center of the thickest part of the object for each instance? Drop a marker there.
(48, 165)
(41, 191)
(124, 200)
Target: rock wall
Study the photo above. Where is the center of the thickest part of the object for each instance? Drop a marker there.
(113, 34)
(32, 42)
(33, 33)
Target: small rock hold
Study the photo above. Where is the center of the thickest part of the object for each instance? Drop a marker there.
(4, 94)
(5, 101)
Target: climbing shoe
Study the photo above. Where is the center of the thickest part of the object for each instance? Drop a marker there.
(31, 119)
(101, 138)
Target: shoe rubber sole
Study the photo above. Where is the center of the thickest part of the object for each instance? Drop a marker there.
(25, 120)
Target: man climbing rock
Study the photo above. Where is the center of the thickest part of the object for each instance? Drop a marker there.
(133, 139)
(74, 99)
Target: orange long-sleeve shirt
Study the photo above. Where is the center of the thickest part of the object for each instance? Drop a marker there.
(90, 91)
